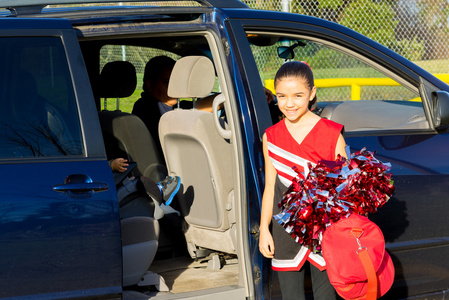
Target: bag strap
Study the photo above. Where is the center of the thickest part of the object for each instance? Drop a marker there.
(362, 253)
(371, 292)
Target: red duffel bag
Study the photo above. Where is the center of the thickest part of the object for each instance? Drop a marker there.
(357, 264)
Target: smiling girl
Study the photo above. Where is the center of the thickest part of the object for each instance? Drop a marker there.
(299, 138)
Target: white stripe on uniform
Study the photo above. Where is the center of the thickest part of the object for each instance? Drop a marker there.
(290, 263)
(295, 159)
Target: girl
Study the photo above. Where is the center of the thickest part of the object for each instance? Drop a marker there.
(299, 138)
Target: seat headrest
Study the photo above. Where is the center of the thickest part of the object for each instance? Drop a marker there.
(192, 77)
(117, 80)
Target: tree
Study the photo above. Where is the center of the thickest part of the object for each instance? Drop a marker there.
(380, 20)
(331, 10)
(433, 27)
(374, 20)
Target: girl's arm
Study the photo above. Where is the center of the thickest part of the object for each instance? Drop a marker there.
(266, 244)
(340, 148)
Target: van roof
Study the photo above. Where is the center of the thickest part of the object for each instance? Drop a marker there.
(43, 3)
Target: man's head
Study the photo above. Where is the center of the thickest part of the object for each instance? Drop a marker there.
(156, 78)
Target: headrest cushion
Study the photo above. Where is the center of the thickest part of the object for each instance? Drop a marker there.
(192, 76)
(117, 79)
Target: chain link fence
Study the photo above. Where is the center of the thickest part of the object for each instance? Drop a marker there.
(416, 29)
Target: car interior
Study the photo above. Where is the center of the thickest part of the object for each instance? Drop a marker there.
(195, 238)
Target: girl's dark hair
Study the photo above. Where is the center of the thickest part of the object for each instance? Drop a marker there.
(297, 69)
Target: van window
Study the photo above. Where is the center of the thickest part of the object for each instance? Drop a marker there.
(136, 55)
(350, 90)
(139, 56)
(39, 115)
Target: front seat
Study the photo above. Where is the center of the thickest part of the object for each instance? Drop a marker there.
(125, 134)
(195, 151)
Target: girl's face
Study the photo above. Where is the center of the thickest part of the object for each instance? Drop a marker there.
(293, 97)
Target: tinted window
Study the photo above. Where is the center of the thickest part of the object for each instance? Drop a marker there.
(38, 112)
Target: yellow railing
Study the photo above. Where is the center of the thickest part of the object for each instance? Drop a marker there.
(355, 83)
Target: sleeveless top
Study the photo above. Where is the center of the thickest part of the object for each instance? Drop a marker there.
(285, 153)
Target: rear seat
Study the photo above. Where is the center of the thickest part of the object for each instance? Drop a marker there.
(140, 234)
(125, 134)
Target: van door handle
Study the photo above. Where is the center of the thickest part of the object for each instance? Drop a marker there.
(224, 133)
(80, 186)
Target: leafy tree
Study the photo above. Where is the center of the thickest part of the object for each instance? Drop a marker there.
(331, 10)
(433, 27)
(374, 20)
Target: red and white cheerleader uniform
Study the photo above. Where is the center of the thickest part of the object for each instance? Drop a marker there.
(285, 153)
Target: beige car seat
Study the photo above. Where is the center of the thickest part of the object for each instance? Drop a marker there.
(195, 151)
(139, 243)
(125, 134)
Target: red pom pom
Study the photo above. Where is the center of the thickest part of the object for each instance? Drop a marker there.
(333, 190)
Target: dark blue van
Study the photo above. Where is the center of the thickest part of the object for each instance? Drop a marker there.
(70, 228)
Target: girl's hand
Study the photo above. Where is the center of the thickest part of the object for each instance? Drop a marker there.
(266, 244)
(119, 164)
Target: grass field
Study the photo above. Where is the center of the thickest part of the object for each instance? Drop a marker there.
(126, 104)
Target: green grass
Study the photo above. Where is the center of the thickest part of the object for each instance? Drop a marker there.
(126, 104)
